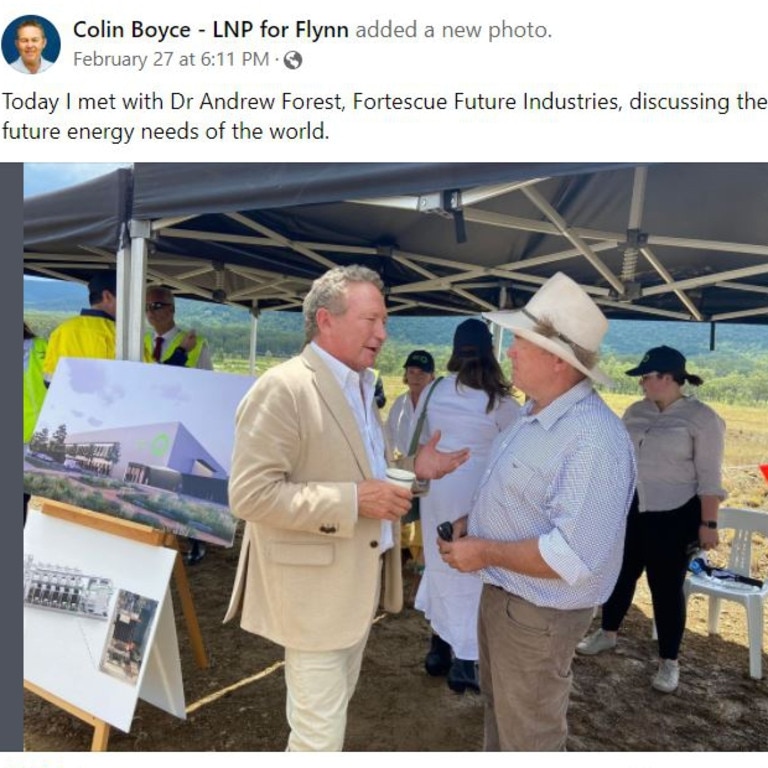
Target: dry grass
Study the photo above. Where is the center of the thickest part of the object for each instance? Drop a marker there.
(746, 445)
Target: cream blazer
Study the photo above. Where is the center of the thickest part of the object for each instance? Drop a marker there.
(309, 573)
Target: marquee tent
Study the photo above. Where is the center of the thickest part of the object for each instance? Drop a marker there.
(664, 241)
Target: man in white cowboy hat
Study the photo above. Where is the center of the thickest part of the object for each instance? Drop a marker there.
(546, 528)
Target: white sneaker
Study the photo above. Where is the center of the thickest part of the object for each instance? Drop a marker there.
(667, 676)
(595, 643)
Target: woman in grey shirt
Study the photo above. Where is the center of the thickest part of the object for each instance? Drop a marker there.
(679, 448)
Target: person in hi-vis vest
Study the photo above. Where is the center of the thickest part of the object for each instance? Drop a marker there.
(34, 380)
(35, 388)
(166, 342)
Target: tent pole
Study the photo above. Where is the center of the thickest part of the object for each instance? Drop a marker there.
(122, 264)
(255, 312)
(131, 269)
(130, 305)
(498, 331)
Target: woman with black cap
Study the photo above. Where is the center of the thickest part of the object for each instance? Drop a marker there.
(679, 449)
(470, 407)
(418, 373)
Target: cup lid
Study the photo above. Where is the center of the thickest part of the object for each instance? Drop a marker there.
(400, 474)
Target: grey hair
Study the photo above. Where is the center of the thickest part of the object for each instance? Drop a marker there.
(166, 294)
(545, 327)
(329, 291)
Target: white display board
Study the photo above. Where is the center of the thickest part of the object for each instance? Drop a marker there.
(99, 628)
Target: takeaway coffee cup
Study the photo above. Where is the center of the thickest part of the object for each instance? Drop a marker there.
(402, 477)
(408, 479)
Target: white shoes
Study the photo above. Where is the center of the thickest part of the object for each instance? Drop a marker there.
(595, 643)
(667, 676)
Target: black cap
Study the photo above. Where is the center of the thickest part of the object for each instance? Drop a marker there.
(659, 360)
(473, 337)
(103, 281)
(420, 358)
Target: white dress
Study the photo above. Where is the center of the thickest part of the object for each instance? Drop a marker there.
(400, 423)
(448, 598)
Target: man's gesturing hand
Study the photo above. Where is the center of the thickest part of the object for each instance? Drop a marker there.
(431, 464)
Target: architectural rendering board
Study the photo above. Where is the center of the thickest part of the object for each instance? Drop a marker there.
(65, 652)
(148, 443)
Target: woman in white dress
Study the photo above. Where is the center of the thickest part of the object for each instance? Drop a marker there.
(470, 407)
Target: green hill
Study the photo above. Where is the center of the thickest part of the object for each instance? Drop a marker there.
(737, 369)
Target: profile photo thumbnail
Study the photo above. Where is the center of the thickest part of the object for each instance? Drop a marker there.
(31, 44)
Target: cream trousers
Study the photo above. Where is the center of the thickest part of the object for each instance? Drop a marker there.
(320, 685)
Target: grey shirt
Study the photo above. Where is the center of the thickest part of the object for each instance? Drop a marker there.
(679, 452)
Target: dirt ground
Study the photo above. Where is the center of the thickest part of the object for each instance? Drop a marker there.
(237, 703)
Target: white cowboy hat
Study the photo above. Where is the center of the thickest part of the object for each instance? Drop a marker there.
(576, 319)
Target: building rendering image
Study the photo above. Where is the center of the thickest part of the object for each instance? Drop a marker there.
(147, 443)
(165, 456)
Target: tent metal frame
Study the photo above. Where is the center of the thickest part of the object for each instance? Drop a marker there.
(160, 251)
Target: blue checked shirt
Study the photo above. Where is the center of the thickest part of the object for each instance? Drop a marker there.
(564, 476)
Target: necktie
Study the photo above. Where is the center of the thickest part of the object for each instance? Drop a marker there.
(158, 347)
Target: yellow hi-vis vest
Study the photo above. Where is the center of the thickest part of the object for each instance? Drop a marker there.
(90, 334)
(34, 383)
(170, 346)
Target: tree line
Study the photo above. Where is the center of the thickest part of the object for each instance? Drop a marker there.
(735, 373)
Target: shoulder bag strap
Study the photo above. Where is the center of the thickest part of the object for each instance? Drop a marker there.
(420, 423)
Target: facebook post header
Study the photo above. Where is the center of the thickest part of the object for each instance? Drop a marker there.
(561, 80)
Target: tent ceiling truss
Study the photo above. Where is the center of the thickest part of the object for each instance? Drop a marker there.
(438, 284)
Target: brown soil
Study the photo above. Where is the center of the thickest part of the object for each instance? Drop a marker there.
(237, 703)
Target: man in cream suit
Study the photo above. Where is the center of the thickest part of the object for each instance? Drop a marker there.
(308, 472)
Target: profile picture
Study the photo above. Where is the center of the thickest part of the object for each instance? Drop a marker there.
(31, 44)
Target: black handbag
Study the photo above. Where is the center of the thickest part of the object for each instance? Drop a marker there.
(414, 512)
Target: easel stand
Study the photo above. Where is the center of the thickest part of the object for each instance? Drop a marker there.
(100, 728)
(143, 534)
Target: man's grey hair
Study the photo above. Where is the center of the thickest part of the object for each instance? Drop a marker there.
(546, 328)
(329, 291)
(163, 293)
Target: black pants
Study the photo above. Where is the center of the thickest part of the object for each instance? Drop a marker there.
(659, 543)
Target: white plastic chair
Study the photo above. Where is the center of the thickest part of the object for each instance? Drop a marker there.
(743, 522)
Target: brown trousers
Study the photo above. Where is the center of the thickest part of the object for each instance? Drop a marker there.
(525, 670)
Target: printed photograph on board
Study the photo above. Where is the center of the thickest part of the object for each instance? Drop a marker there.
(66, 589)
(125, 647)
